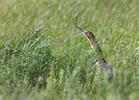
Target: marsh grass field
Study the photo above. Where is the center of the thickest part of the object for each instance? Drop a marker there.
(38, 38)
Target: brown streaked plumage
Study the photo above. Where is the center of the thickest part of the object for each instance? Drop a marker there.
(91, 38)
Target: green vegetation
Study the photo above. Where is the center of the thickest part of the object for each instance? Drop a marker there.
(38, 37)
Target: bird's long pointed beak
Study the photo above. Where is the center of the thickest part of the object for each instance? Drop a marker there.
(83, 31)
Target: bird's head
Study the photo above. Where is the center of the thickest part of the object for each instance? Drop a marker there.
(88, 35)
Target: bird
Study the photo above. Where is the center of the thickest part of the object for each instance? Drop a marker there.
(94, 45)
(39, 81)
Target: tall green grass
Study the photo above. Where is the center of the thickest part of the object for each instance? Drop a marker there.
(38, 37)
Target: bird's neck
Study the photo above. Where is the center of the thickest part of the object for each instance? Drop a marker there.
(98, 50)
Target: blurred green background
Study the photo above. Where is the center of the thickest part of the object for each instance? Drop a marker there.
(38, 38)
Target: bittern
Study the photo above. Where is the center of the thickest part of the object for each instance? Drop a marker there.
(94, 45)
